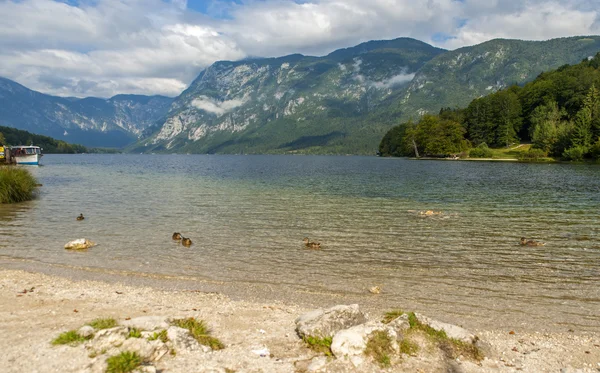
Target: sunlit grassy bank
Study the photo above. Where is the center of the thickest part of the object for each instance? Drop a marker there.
(16, 184)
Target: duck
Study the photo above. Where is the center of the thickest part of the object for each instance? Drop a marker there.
(80, 217)
(526, 242)
(177, 236)
(375, 290)
(186, 242)
(312, 244)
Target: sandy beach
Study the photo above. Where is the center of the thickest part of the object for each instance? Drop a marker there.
(36, 308)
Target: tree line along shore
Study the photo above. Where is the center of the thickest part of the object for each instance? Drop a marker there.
(557, 114)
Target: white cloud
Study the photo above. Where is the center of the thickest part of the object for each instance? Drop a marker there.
(216, 107)
(104, 47)
(393, 81)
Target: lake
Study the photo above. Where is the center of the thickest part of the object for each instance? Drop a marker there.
(247, 216)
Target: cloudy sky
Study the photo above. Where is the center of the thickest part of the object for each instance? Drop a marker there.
(105, 47)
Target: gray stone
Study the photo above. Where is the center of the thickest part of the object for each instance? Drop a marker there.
(147, 323)
(325, 323)
(353, 341)
(86, 331)
(148, 350)
(452, 331)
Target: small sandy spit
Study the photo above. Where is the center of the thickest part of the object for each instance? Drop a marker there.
(36, 308)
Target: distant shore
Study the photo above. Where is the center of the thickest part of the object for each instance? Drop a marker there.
(36, 308)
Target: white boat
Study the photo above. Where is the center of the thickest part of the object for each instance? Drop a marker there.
(24, 154)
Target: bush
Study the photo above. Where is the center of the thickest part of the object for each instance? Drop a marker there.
(16, 184)
(574, 153)
(533, 154)
(481, 151)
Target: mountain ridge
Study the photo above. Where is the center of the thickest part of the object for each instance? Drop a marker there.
(91, 121)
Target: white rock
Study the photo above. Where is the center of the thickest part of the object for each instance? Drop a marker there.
(262, 352)
(317, 364)
(400, 324)
(109, 338)
(182, 340)
(147, 323)
(148, 350)
(325, 323)
(452, 331)
(86, 331)
(353, 341)
(79, 244)
(357, 360)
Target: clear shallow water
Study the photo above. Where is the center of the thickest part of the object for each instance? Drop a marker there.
(247, 216)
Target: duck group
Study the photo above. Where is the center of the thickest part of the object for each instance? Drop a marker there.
(312, 244)
(184, 240)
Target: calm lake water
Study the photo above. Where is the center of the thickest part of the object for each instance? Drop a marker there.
(247, 216)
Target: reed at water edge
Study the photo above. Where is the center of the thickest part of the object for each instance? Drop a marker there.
(16, 184)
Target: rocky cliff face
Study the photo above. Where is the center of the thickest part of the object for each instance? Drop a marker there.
(344, 102)
(287, 103)
(456, 77)
(113, 122)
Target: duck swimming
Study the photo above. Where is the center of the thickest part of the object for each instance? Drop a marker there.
(526, 242)
(80, 217)
(312, 244)
(186, 242)
(176, 236)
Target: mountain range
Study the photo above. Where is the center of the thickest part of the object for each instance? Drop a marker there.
(114, 122)
(342, 103)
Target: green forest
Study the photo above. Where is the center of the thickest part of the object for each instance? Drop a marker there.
(558, 113)
(12, 136)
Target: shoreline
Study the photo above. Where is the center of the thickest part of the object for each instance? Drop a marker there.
(32, 319)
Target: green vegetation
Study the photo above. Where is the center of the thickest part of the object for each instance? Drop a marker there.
(123, 363)
(453, 348)
(12, 136)
(321, 345)
(134, 333)
(71, 338)
(162, 336)
(559, 112)
(100, 324)
(379, 346)
(391, 316)
(16, 184)
(408, 347)
(200, 332)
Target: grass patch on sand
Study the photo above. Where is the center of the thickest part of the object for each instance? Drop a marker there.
(100, 324)
(71, 338)
(134, 333)
(162, 336)
(408, 347)
(380, 347)
(200, 332)
(321, 345)
(125, 362)
(16, 184)
(391, 316)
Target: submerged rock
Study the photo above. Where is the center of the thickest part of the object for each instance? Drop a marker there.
(325, 323)
(79, 244)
